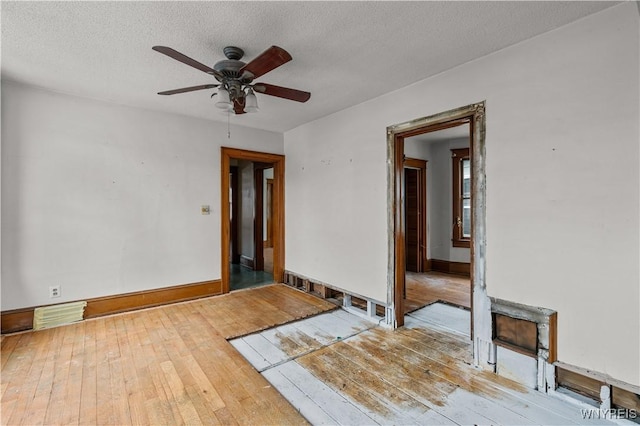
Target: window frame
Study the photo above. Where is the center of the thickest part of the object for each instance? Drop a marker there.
(457, 156)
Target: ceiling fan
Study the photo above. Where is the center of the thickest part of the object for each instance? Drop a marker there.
(236, 89)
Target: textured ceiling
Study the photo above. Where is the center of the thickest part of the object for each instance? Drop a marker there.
(344, 53)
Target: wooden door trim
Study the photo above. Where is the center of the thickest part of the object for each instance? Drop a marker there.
(415, 163)
(278, 163)
(473, 114)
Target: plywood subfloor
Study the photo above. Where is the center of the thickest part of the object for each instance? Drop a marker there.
(166, 365)
(419, 374)
(425, 288)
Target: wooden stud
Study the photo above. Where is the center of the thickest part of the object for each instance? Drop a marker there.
(308, 287)
(553, 337)
(371, 308)
(346, 301)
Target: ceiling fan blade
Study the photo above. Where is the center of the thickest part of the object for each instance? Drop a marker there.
(268, 60)
(188, 89)
(282, 92)
(238, 107)
(185, 59)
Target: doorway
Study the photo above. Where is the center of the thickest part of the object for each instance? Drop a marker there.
(480, 305)
(437, 265)
(252, 207)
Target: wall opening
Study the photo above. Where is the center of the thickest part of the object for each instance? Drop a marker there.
(474, 115)
(265, 171)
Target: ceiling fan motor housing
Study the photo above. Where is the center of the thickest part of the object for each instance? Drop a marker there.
(230, 67)
(233, 52)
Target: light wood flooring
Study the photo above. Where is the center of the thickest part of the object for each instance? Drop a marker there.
(429, 287)
(337, 368)
(163, 366)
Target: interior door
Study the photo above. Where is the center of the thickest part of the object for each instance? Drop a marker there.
(412, 220)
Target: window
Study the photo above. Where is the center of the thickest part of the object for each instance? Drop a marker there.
(461, 197)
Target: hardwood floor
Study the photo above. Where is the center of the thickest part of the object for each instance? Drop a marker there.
(429, 287)
(165, 365)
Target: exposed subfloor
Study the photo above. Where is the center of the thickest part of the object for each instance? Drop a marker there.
(339, 368)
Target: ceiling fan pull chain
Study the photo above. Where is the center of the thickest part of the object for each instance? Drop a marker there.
(228, 124)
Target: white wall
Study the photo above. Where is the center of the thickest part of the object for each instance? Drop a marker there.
(105, 199)
(439, 195)
(246, 208)
(562, 183)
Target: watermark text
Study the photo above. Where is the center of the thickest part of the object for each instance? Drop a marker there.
(610, 413)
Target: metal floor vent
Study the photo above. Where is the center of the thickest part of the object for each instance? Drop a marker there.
(50, 316)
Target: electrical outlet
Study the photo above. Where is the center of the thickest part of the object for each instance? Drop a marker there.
(54, 291)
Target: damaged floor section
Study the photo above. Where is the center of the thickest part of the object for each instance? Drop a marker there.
(338, 368)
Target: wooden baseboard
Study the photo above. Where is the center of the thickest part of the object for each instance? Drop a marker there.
(22, 319)
(448, 267)
(247, 262)
(16, 320)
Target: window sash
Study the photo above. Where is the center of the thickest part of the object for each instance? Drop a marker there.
(461, 197)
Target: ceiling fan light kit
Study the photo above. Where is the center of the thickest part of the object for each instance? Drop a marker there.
(236, 89)
(224, 101)
(251, 101)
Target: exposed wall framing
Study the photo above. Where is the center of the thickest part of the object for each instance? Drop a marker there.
(545, 320)
(540, 343)
(357, 304)
(610, 393)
